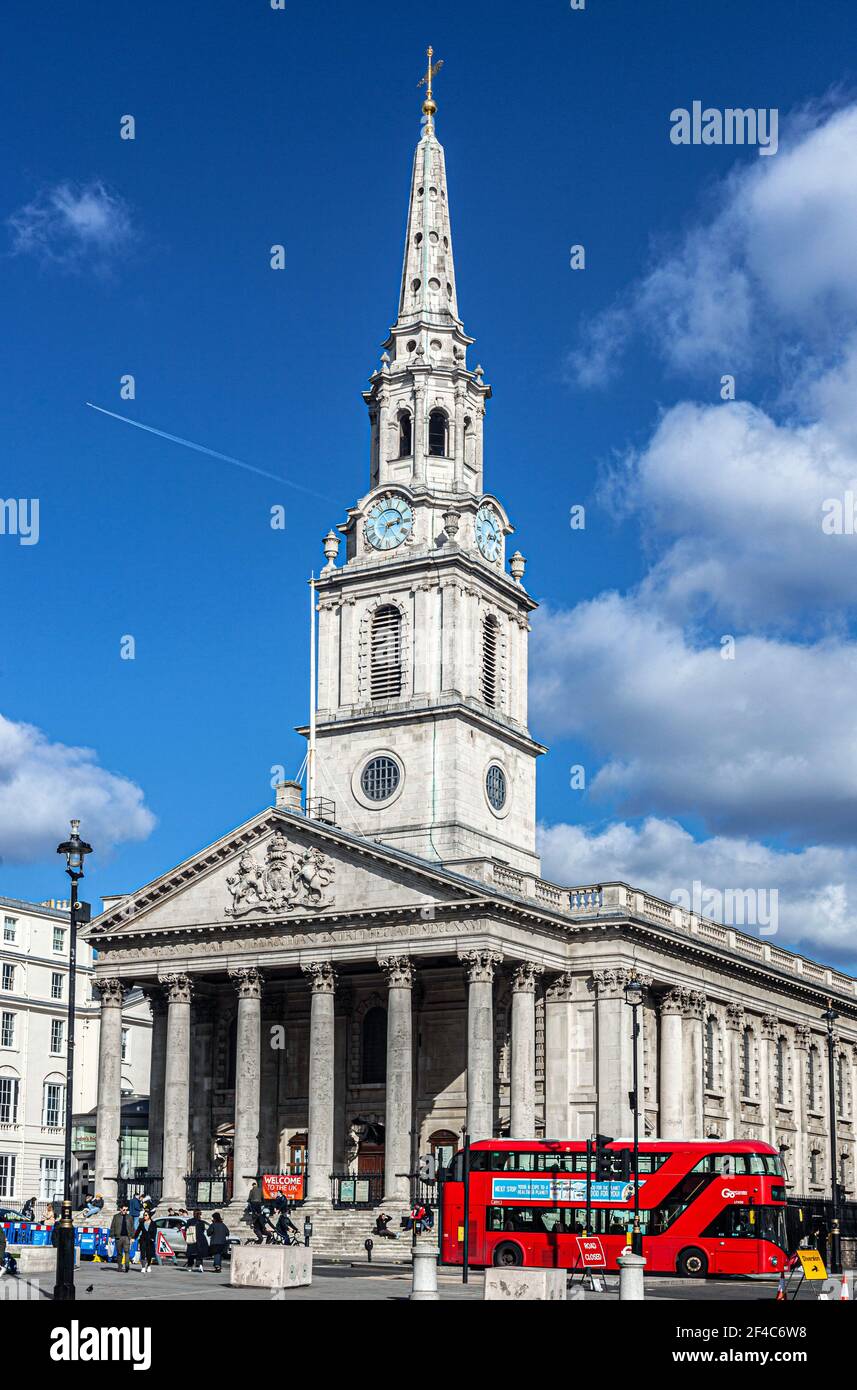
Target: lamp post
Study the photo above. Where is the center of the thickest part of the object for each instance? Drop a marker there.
(634, 997)
(75, 851)
(830, 1016)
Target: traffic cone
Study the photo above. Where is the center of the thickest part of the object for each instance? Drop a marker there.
(781, 1290)
(844, 1295)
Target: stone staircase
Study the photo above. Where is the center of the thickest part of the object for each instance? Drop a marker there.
(340, 1235)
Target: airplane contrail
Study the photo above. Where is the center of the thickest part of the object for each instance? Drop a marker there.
(202, 449)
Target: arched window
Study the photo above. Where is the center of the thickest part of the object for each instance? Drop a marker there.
(710, 1053)
(781, 1071)
(373, 1049)
(747, 1062)
(386, 654)
(490, 645)
(405, 436)
(815, 1166)
(437, 434)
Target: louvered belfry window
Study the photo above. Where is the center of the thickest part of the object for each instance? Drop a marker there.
(386, 660)
(490, 639)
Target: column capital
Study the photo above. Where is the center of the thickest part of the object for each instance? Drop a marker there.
(611, 983)
(322, 977)
(561, 989)
(178, 988)
(694, 1003)
(480, 965)
(524, 977)
(112, 992)
(672, 1002)
(399, 971)
(735, 1017)
(770, 1025)
(803, 1036)
(247, 981)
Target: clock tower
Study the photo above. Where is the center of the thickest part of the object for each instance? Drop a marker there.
(421, 726)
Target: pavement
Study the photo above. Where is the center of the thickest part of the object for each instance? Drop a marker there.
(353, 1282)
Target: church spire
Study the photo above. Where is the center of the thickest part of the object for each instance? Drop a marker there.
(428, 273)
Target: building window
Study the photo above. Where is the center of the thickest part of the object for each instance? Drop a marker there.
(812, 1077)
(59, 940)
(406, 446)
(51, 1178)
(490, 644)
(373, 1070)
(710, 1053)
(380, 778)
(53, 1100)
(10, 928)
(842, 1084)
(386, 653)
(126, 1033)
(438, 434)
(815, 1170)
(57, 1032)
(8, 1165)
(56, 984)
(781, 1071)
(9, 1100)
(747, 1062)
(7, 1030)
(8, 981)
(495, 787)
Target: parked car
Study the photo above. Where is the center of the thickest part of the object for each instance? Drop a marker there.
(173, 1229)
(9, 1214)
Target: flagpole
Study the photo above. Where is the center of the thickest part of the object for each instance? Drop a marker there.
(310, 767)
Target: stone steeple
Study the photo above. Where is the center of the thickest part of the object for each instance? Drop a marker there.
(424, 391)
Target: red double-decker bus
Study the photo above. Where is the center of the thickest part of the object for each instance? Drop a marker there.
(706, 1206)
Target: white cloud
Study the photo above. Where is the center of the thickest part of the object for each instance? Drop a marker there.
(73, 226)
(816, 887)
(43, 785)
(775, 260)
(761, 745)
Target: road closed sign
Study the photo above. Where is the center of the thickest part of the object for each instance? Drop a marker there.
(591, 1253)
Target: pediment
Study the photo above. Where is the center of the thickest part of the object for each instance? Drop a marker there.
(279, 867)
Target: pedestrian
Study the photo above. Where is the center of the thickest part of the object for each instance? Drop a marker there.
(56, 1208)
(121, 1229)
(147, 1235)
(196, 1242)
(7, 1264)
(218, 1239)
(135, 1207)
(28, 1210)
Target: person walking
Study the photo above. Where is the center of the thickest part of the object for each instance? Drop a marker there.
(147, 1235)
(196, 1242)
(218, 1239)
(28, 1210)
(135, 1207)
(121, 1229)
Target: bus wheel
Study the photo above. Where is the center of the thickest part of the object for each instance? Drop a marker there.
(692, 1264)
(508, 1254)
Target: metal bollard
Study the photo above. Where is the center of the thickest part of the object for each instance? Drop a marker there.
(631, 1275)
(424, 1285)
(368, 1245)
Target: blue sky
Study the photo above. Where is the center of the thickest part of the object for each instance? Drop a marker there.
(151, 257)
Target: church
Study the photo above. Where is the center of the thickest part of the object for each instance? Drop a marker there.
(359, 975)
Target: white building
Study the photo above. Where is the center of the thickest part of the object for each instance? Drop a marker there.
(34, 968)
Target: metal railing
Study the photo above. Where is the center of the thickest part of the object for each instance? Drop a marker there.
(207, 1189)
(141, 1185)
(356, 1189)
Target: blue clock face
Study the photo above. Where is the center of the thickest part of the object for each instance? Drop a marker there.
(489, 536)
(389, 523)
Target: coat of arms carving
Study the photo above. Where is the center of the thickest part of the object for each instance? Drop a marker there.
(289, 878)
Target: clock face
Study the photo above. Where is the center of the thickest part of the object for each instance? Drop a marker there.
(390, 522)
(489, 536)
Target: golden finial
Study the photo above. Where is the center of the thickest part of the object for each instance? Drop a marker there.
(429, 105)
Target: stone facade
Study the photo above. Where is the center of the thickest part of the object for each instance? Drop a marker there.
(390, 974)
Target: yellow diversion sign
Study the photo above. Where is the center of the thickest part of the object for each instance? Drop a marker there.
(812, 1264)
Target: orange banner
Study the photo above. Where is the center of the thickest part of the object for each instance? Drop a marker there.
(290, 1185)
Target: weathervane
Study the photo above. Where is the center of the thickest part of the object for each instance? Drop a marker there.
(429, 105)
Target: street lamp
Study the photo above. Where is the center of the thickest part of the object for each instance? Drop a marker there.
(830, 1016)
(634, 997)
(75, 850)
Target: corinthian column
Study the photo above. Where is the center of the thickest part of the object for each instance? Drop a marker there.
(480, 1042)
(398, 1118)
(321, 1083)
(108, 1119)
(248, 983)
(178, 990)
(735, 1030)
(522, 1121)
(558, 1017)
(671, 1064)
(616, 1052)
(768, 1078)
(694, 1088)
(156, 1082)
(419, 439)
(800, 1177)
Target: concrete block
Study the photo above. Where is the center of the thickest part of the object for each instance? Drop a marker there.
(37, 1259)
(525, 1285)
(270, 1266)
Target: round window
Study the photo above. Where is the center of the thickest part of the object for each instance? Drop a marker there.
(380, 778)
(495, 787)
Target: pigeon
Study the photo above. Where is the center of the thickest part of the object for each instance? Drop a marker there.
(91, 1287)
